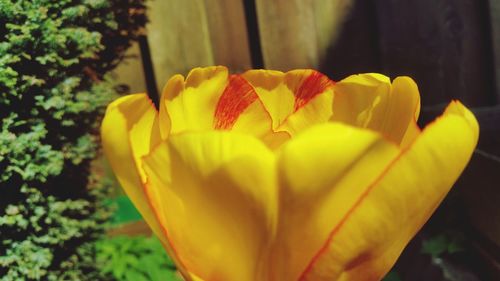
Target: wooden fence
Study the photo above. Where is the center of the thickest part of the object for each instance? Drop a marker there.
(286, 34)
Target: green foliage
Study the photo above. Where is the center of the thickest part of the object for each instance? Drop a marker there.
(45, 224)
(449, 243)
(24, 154)
(135, 259)
(54, 56)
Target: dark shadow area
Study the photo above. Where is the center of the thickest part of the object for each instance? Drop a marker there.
(446, 47)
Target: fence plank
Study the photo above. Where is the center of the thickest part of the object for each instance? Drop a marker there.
(495, 38)
(297, 34)
(228, 34)
(356, 50)
(129, 71)
(329, 17)
(443, 44)
(179, 37)
(191, 33)
(287, 33)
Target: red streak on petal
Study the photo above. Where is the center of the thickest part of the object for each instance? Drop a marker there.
(316, 83)
(237, 96)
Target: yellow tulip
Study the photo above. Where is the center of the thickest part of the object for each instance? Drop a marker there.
(275, 176)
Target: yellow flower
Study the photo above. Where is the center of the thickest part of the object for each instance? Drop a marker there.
(275, 176)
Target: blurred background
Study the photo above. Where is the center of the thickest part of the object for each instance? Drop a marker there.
(64, 217)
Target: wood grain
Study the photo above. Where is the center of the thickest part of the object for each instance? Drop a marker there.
(494, 6)
(186, 34)
(442, 44)
(228, 34)
(329, 18)
(297, 34)
(288, 34)
(179, 37)
(130, 71)
(356, 50)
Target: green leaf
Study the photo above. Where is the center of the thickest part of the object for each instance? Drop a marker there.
(435, 246)
(392, 276)
(445, 243)
(132, 275)
(142, 255)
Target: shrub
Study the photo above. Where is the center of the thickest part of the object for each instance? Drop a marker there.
(54, 56)
(137, 258)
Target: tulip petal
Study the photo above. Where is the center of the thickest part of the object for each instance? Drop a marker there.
(172, 89)
(236, 98)
(191, 106)
(370, 101)
(240, 110)
(295, 100)
(368, 239)
(128, 132)
(216, 196)
(322, 172)
(274, 93)
(125, 117)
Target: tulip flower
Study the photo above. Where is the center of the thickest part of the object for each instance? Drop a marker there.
(276, 176)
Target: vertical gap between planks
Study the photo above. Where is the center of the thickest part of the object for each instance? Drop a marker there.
(149, 74)
(253, 34)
